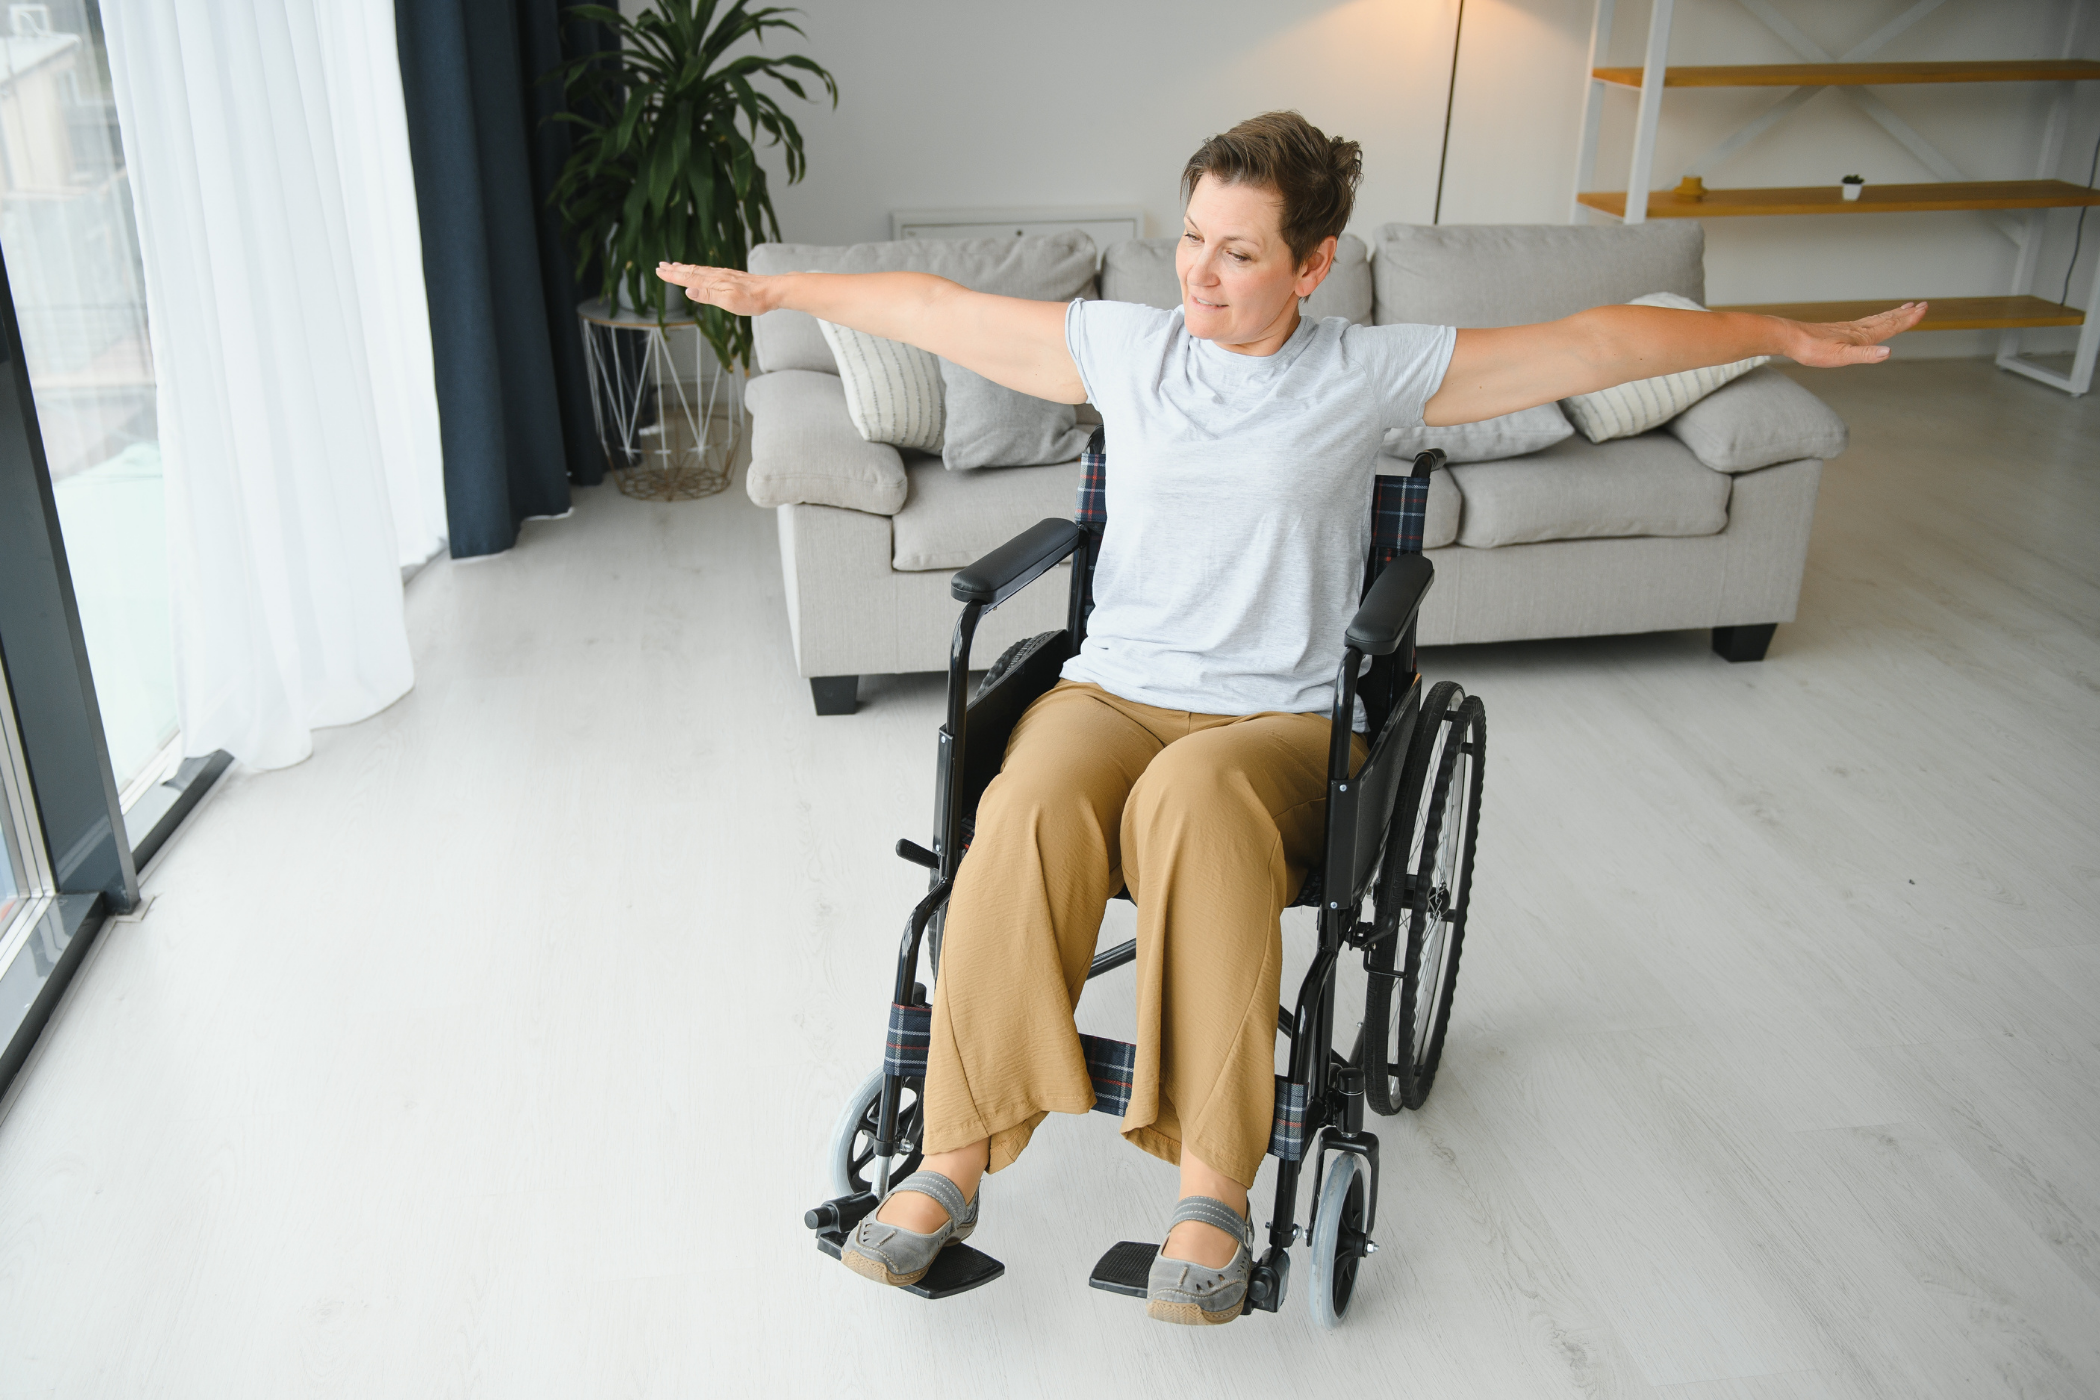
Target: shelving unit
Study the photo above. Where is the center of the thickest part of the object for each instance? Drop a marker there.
(1852, 75)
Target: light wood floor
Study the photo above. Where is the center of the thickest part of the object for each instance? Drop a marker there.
(490, 1052)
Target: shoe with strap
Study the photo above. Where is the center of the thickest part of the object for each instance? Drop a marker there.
(1195, 1295)
(896, 1256)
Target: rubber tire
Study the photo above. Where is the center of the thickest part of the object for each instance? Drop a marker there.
(859, 1110)
(1393, 921)
(1332, 1283)
(1469, 731)
(1005, 663)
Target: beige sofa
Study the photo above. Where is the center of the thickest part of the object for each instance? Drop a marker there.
(1701, 524)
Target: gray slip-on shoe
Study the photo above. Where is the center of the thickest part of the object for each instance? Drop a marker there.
(1180, 1290)
(895, 1256)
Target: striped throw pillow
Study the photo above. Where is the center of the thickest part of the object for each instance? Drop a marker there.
(893, 390)
(1627, 409)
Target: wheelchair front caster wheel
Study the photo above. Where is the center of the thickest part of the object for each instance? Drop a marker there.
(850, 1159)
(1339, 1243)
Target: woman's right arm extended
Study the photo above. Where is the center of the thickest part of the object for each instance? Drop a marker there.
(1008, 340)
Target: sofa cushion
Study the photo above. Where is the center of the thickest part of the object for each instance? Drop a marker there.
(955, 518)
(1056, 267)
(990, 425)
(804, 450)
(1762, 419)
(1490, 440)
(1515, 274)
(1577, 489)
(893, 390)
(1142, 270)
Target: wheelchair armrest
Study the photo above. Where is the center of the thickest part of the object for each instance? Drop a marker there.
(1016, 564)
(1391, 604)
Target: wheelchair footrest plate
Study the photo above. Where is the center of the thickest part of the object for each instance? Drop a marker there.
(958, 1269)
(1125, 1269)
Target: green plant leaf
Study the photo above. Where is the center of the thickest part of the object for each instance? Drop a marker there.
(663, 161)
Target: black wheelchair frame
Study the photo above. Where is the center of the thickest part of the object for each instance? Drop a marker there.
(1400, 834)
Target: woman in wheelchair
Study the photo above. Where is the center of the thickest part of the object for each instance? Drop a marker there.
(1184, 753)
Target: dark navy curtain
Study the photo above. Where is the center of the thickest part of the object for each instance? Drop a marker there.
(513, 399)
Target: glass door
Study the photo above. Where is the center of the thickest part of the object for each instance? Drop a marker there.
(24, 877)
(79, 292)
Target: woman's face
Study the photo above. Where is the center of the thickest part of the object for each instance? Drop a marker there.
(1239, 284)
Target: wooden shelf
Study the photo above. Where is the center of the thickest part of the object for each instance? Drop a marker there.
(1945, 314)
(1874, 199)
(2020, 70)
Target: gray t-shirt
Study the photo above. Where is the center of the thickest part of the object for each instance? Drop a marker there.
(1239, 501)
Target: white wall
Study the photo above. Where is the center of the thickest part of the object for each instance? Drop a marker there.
(962, 103)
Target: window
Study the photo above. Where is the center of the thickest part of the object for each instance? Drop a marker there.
(24, 879)
(79, 294)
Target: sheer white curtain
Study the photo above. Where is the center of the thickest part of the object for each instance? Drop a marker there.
(268, 152)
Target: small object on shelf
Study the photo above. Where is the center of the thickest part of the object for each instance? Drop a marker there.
(1691, 187)
(2011, 314)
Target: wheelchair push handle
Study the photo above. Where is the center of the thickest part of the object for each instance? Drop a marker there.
(1427, 462)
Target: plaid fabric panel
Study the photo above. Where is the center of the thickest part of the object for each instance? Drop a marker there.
(1398, 505)
(1112, 1065)
(904, 1049)
(1093, 484)
(1287, 1132)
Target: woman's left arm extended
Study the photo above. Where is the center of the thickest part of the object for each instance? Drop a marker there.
(1494, 372)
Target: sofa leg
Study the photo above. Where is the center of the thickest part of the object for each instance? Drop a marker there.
(1745, 643)
(835, 695)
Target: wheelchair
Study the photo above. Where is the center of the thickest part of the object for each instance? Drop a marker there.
(1393, 885)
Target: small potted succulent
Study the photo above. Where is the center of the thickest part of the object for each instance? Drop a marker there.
(1850, 187)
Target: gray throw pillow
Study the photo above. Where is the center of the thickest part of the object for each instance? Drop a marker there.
(1762, 419)
(1490, 440)
(989, 425)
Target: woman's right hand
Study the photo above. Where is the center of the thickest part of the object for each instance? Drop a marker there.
(738, 293)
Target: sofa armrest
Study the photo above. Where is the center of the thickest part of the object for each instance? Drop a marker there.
(806, 451)
(1760, 420)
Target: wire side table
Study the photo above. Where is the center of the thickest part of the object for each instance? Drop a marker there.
(670, 424)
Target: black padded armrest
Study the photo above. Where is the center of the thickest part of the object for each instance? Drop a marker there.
(1390, 605)
(1016, 564)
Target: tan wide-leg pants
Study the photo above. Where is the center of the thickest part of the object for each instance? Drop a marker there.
(1213, 821)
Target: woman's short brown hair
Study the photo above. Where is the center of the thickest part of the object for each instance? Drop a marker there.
(1314, 174)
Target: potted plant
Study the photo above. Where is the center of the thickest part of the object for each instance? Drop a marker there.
(660, 167)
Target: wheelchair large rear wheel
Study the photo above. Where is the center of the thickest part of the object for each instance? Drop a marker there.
(851, 1157)
(1411, 983)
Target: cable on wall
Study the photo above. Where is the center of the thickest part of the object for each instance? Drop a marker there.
(2064, 297)
(1450, 92)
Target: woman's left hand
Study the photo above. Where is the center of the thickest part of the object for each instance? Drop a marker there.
(1827, 345)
